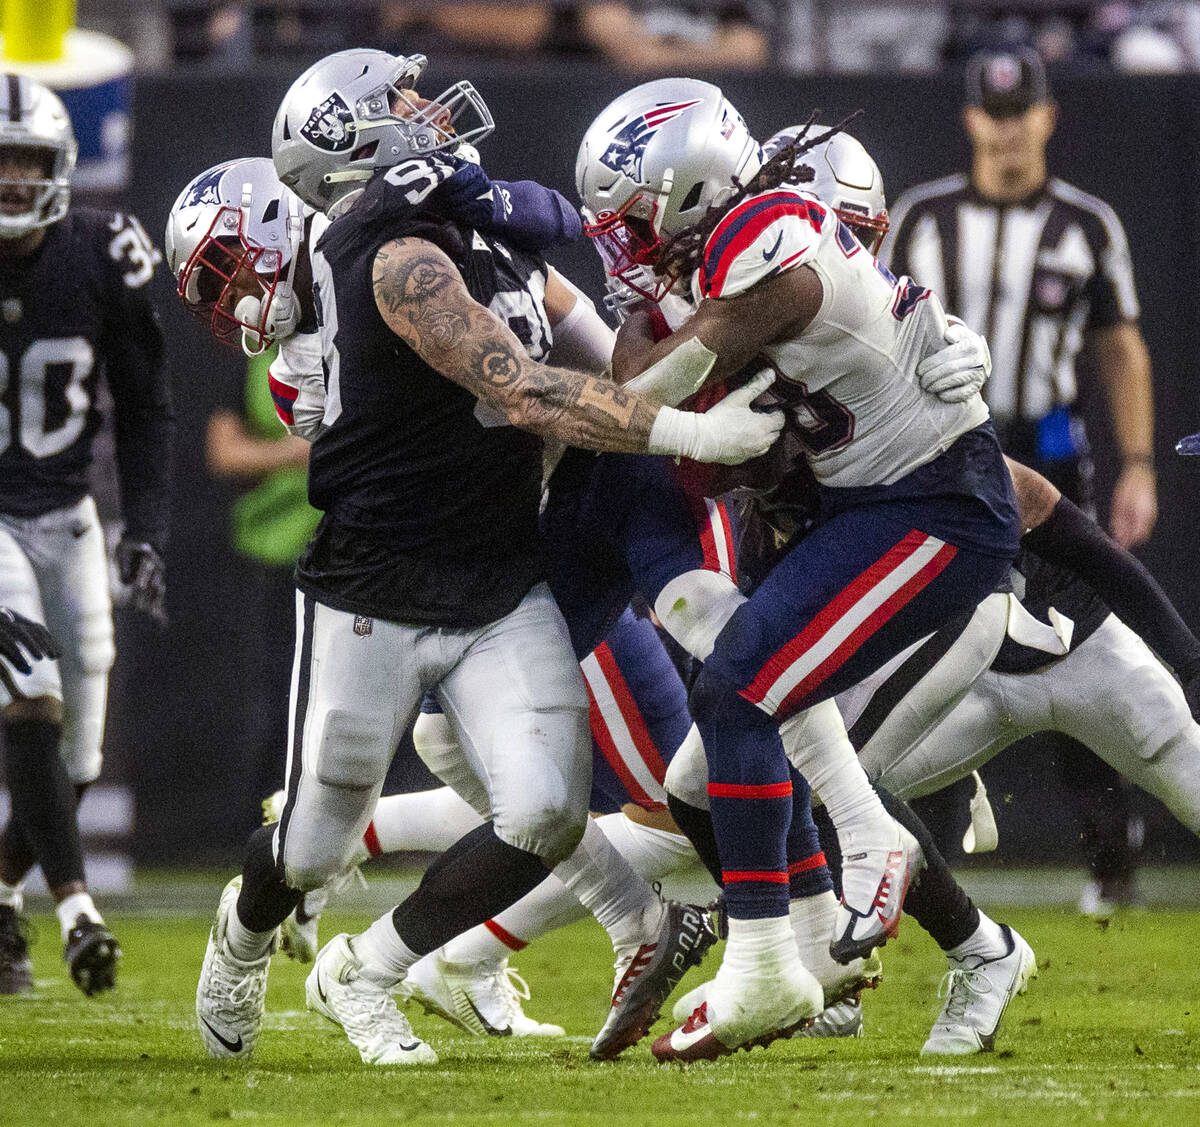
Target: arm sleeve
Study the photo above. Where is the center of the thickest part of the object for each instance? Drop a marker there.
(132, 346)
(297, 382)
(1072, 540)
(533, 216)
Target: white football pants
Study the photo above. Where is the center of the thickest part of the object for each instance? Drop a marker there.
(512, 690)
(1111, 694)
(53, 569)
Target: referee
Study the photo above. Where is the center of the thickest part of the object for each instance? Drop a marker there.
(1042, 269)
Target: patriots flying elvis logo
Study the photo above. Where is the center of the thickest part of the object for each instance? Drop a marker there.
(204, 188)
(625, 151)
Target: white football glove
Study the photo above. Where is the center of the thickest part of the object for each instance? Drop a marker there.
(959, 370)
(729, 432)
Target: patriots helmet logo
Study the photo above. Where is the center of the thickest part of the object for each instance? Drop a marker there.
(627, 148)
(204, 188)
(326, 125)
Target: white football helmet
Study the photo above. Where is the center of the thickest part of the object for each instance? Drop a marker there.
(233, 224)
(846, 178)
(355, 112)
(33, 119)
(651, 164)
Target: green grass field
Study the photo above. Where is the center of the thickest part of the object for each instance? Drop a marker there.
(1107, 1033)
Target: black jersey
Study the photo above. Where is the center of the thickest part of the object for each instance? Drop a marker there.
(78, 306)
(1041, 585)
(430, 498)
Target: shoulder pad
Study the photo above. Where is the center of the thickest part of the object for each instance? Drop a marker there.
(761, 236)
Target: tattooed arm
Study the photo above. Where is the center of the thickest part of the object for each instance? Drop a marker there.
(424, 301)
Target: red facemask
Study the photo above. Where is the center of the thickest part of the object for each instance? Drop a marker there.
(630, 248)
(205, 280)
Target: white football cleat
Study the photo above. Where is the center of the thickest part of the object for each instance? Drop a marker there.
(231, 995)
(977, 992)
(481, 998)
(742, 1011)
(298, 933)
(842, 1019)
(336, 989)
(839, 984)
(875, 879)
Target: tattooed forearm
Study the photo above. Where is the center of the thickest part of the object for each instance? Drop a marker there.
(415, 288)
(424, 301)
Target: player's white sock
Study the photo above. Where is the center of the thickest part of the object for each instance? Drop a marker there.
(549, 906)
(816, 743)
(987, 941)
(428, 820)
(244, 944)
(12, 896)
(651, 853)
(812, 924)
(756, 947)
(75, 905)
(384, 955)
(605, 883)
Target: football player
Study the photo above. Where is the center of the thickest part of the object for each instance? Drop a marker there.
(653, 526)
(73, 304)
(904, 722)
(920, 521)
(424, 572)
(243, 285)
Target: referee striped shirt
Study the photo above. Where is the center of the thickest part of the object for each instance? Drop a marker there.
(1031, 276)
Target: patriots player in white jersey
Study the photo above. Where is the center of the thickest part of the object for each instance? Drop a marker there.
(73, 290)
(920, 516)
(949, 703)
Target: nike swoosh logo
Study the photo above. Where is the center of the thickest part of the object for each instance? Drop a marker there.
(321, 991)
(491, 1030)
(232, 1046)
(769, 254)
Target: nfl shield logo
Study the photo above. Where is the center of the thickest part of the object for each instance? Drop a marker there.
(363, 625)
(11, 310)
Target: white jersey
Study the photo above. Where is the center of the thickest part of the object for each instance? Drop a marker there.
(850, 375)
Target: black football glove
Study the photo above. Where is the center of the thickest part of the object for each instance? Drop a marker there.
(19, 633)
(141, 569)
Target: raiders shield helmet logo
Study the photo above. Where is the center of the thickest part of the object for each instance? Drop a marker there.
(327, 126)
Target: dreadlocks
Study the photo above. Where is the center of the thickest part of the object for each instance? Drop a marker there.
(681, 254)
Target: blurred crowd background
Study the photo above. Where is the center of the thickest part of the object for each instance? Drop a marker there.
(798, 36)
(207, 77)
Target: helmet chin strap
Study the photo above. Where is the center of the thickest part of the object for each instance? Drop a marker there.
(283, 312)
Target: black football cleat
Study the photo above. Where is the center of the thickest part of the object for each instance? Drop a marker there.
(651, 974)
(91, 955)
(16, 967)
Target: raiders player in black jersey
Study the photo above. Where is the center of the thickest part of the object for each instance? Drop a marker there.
(73, 304)
(425, 572)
